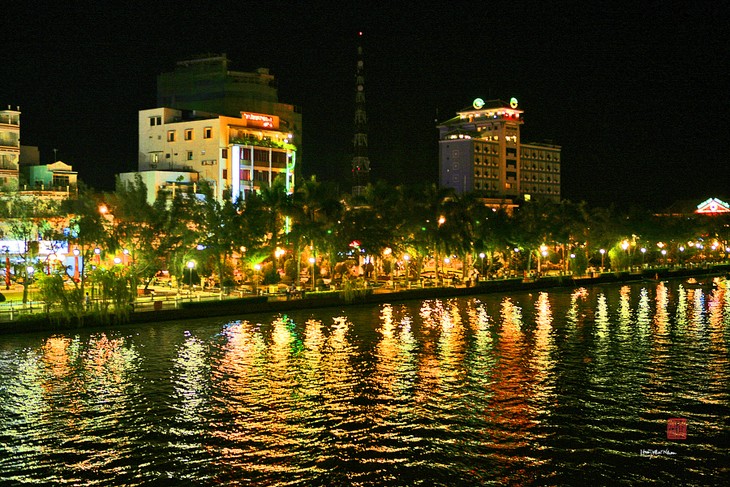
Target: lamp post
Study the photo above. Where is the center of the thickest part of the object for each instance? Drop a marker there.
(625, 246)
(481, 256)
(664, 253)
(543, 253)
(7, 267)
(76, 253)
(191, 266)
(681, 251)
(256, 269)
(312, 260)
(603, 255)
(643, 253)
(278, 253)
(97, 252)
(407, 258)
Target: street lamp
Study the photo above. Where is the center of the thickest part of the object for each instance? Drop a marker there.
(278, 253)
(191, 266)
(6, 249)
(481, 256)
(603, 254)
(407, 258)
(76, 253)
(681, 251)
(312, 260)
(625, 246)
(643, 253)
(256, 270)
(664, 253)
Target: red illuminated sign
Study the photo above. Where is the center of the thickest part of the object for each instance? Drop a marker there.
(261, 120)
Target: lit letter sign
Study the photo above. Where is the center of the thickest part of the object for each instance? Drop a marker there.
(261, 120)
(513, 102)
(478, 103)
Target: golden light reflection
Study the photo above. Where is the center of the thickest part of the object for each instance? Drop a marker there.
(624, 310)
(680, 313)
(643, 313)
(698, 309)
(191, 382)
(544, 345)
(573, 315)
(602, 318)
(661, 314)
(509, 408)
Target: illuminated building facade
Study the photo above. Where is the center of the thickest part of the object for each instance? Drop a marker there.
(480, 150)
(9, 148)
(241, 154)
(207, 84)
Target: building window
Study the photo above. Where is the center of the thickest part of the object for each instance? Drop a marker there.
(190, 155)
(155, 121)
(224, 153)
(207, 133)
(60, 180)
(171, 136)
(188, 134)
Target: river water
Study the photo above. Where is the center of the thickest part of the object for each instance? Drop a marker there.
(565, 387)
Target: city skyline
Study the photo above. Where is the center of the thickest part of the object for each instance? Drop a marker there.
(635, 97)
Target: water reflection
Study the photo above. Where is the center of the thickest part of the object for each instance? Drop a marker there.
(526, 389)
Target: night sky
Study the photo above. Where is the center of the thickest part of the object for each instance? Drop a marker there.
(635, 93)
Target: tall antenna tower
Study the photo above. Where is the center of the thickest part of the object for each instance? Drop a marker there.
(360, 161)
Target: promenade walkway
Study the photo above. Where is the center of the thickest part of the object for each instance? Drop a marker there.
(162, 303)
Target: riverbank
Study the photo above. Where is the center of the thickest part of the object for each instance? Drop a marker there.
(263, 304)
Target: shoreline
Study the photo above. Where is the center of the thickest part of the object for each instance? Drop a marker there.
(256, 304)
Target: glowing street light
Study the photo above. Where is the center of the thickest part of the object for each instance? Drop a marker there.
(6, 249)
(643, 253)
(481, 256)
(312, 260)
(191, 266)
(256, 270)
(97, 252)
(407, 258)
(76, 253)
(603, 255)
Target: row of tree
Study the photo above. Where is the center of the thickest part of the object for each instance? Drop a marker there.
(272, 234)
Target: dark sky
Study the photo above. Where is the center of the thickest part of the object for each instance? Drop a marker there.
(635, 93)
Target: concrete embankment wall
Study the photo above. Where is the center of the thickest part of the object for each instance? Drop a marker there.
(237, 307)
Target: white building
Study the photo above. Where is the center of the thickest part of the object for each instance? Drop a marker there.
(241, 154)
(9, 148)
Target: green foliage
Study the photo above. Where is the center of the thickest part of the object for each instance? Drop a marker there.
(354, 289)
(67, 301)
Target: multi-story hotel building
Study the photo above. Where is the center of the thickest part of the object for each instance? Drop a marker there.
(480, 150)
(9, 148)
(206, 84)
(179, 148)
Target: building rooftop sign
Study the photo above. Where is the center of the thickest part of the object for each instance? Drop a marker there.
(713, 206)
(260, 120)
